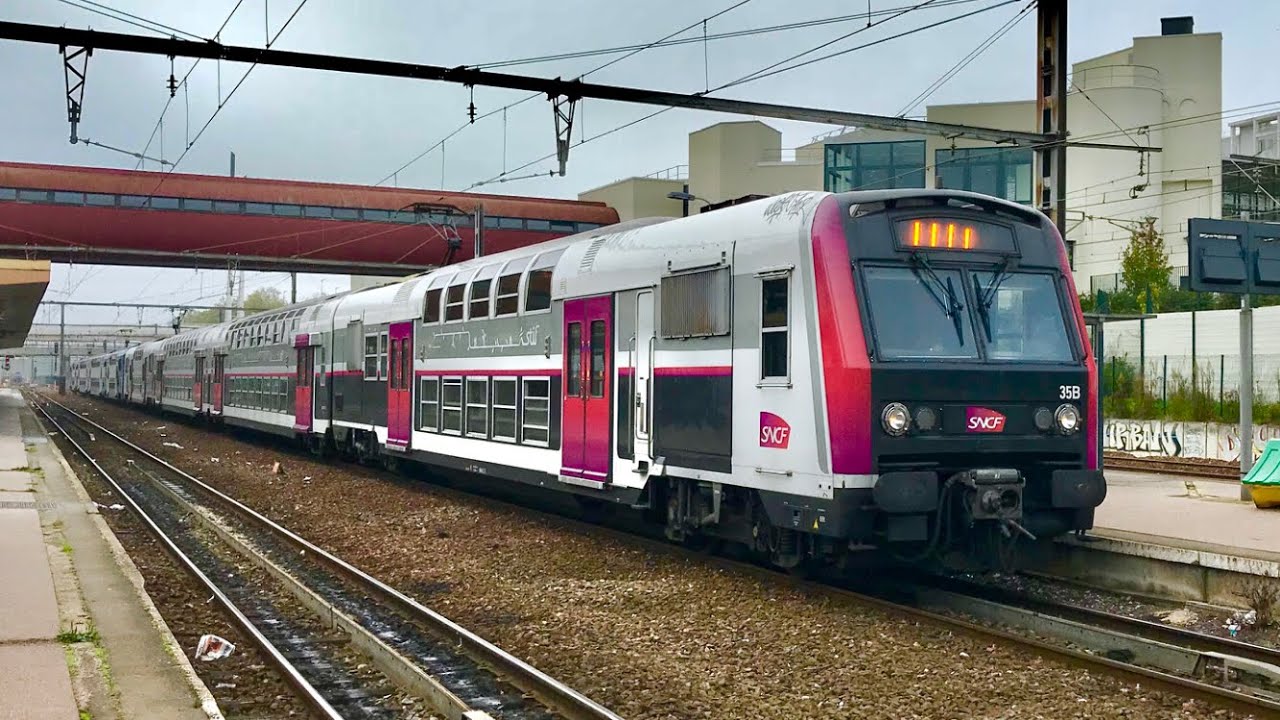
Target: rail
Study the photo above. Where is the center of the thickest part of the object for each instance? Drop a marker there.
(560, 697)
(306, 691)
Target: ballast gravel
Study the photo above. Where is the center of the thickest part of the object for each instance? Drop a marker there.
(652, 636)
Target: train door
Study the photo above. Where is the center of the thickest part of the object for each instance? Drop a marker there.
(197, 382)
(399, 380)
(642, 362)
(305, 372)
(585, 453)
(219, 371)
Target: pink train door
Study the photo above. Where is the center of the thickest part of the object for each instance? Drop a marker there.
(585, 455)
(399, 380)
(304, 372)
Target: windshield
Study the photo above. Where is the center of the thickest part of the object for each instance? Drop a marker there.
(1021, 317)
(917, 316)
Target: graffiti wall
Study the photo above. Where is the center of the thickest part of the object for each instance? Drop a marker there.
(1218, 441)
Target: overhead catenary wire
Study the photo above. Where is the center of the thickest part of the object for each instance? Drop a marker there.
(748, 32)
(967, 59)
(507, 176)
(503, 110)
(184, 85)
(130, 19)
(223, 103)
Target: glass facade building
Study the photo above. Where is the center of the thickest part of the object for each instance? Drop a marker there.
(873, 166)
(1001, 172)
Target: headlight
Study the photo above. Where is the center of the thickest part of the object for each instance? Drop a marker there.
(895, 418)
(926, 418)
(1068, 418)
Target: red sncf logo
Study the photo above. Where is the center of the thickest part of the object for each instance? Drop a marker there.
(983, 420)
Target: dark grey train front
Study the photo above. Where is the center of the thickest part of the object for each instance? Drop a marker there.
(982, 378)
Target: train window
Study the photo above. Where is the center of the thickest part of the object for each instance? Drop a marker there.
(197, 205)
(33, 195)
(129, 201)
(257, 208)
(919, 315)
(696, 304)
(478, 407)
(508, 301)
(226, 206)
(480, 296)
(429, 404)
(371, 356)
(490, 221)
(68, 198)
(8, 194)
(535, 421)
(775, 328)
(599, 342)
(451, 405)
(537, 291)
(379, 215)
(454, 302)
(540, 225)
(563, 226)
(572, 343)
(164, 203)
(382, 356)
(1021, 317)
(431, 306)
(317, 211)
(511, 223)
(99, 199)
(286, 210)
(504, 409)
(342, 213)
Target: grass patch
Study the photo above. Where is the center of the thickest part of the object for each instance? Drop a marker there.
(26, 468)
(79, 634)
(66, 547)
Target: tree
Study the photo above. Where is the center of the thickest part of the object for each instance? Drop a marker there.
(1144, 266)
(263, 299)
(259, 300)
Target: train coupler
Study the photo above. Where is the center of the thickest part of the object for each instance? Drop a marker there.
(992, 493)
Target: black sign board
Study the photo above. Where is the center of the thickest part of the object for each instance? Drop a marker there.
(1233, 256)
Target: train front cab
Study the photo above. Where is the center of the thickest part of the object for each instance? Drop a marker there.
(982, 381)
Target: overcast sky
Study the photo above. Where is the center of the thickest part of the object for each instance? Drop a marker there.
(285, 123)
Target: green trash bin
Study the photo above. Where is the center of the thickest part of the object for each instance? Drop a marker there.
(1264, 479)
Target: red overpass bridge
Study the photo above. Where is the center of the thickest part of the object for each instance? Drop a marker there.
(122, 217)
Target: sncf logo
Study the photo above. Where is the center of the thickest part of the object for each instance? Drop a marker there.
(774, 431)
(983, 420)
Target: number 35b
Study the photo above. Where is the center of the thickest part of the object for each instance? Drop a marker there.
(1068, 392)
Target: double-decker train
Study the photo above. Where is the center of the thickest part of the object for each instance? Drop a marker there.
(807, 374)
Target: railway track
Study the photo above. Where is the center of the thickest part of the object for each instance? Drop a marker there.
(1173, 466)
(1095, 650)
(459, 674)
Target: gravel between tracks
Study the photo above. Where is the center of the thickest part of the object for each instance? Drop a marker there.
(651, 636)
(244, 684)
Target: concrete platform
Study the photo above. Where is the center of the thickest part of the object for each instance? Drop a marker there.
(78, 634)
(1162, 510)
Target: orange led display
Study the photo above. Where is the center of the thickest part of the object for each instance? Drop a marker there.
(943, 234)
(949, 235)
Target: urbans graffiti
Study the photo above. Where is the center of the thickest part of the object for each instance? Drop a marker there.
(1166, 438)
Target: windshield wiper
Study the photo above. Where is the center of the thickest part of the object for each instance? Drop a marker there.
(951, 306)
(987, 295)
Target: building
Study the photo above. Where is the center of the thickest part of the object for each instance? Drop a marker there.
(1163, 91)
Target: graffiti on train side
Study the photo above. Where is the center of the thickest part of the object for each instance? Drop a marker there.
(1219, 441)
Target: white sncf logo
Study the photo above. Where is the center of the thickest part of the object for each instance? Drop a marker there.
(1068, 392)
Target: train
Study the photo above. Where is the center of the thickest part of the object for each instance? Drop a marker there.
(810, 375)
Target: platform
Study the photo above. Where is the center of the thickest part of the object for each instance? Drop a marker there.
(78, 635)
(1162, 510)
